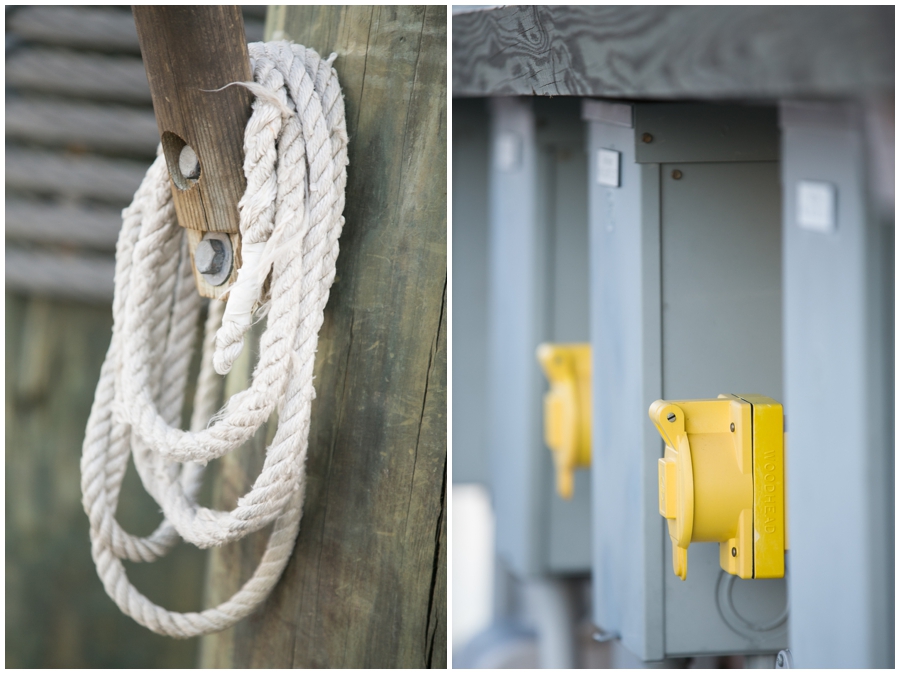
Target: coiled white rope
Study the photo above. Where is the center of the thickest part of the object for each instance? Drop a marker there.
(295, 149)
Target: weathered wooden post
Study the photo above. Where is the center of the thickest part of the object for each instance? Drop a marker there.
(366, 586)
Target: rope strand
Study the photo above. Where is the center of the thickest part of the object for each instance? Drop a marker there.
(295, 148)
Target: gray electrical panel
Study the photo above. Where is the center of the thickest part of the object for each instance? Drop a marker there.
(537, 292)
(839, 390)
(471, 159)
(686, 302)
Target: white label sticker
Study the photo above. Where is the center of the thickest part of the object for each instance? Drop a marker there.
(816, 208)
(608, 167)
(508, 149)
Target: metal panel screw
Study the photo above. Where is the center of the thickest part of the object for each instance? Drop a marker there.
(671, 417)
(647, 138)
(600, 636)
(784, 660)
(734, 552)
(732, 427)
(676, 174)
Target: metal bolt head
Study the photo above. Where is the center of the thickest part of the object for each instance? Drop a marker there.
(213, 258)
(210, 256)
(647, 138)
(676, 174)
(188, 163)
(732, 427)
(734, 552)
(671, 417)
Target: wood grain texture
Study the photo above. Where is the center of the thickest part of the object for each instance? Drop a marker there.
(366, 586)
(188, 51)
(674, 52)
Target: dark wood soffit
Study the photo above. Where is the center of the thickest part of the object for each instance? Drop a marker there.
(675, 52)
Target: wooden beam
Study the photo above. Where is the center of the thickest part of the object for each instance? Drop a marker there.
(189, 51)
(366, 586)
(673, 52)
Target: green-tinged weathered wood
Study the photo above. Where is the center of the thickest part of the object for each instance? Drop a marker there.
(674, 52)
(57, 613)
(366, 586)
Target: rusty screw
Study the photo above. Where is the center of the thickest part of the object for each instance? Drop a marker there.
(676, 174)
(647, 138)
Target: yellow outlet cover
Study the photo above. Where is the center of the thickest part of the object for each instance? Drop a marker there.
(721, 479)
(567, 410)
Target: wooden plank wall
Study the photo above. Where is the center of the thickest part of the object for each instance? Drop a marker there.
(674, 52)
(74, 156)
(366, 586)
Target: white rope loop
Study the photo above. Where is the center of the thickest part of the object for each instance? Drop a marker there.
(295, 147)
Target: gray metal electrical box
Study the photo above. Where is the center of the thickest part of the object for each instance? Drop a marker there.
(471, 159)
(839, 365)
(538, 292)
(686, 302)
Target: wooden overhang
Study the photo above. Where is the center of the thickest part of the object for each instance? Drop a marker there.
(666, 52)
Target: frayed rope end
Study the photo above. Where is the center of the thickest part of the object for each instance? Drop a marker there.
(260, 92)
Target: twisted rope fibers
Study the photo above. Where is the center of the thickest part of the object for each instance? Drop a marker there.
(295, 162)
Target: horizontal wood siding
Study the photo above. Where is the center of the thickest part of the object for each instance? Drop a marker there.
(80, 133)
